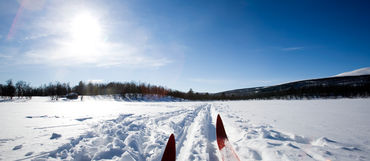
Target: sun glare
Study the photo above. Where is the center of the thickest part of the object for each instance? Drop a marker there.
(85, 27)
(85, 33)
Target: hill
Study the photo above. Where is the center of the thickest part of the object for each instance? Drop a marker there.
(341, 86)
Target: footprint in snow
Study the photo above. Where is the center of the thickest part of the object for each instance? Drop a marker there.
(28, 154)
(83, 119)
(18, 147)
(55, 136)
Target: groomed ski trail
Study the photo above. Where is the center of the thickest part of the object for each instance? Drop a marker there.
(144, 137)
(139, 137)
(200, 140)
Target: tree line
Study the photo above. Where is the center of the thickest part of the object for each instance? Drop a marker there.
(295, 90)
(57, 89)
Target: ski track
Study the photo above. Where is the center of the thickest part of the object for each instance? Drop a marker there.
(144, 137)
(263, 142)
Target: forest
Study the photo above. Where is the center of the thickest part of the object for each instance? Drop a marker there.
(340, 87)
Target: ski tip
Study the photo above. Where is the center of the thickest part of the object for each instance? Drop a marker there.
(218, 117)
(219, 124)
(169, 153)
(172, 138)
(220, 132)
(222, 141)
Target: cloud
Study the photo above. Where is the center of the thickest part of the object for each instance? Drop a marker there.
(292, 48)
(104, 40)
(105, 54)
(4, 56)
(8, 52)
(33, 37)
(32, 4)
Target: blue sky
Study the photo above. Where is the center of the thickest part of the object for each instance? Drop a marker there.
(204, 45)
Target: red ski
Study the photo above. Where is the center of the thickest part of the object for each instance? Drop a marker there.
(169, 153)
(226, 150)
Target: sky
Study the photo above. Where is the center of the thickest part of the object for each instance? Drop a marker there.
(206, 45)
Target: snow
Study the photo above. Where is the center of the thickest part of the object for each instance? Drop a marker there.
(104, 128)
(362, 71)
(55, 136)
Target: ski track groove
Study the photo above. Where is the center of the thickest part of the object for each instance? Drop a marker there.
(198, 140)
(144, 137)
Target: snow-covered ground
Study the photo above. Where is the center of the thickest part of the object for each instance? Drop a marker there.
(105, 128)
(361, 71)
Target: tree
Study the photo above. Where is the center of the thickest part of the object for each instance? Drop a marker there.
(190, 94)
(21, 87)
(80, 88)
(10, 89)
(1, 90)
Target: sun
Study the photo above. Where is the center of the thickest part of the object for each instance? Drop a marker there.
(85, 27)
(85, 36)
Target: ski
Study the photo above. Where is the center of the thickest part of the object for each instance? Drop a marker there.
(169, 153)
(226, 150)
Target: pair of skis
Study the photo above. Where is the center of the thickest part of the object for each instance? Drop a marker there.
(226, 150)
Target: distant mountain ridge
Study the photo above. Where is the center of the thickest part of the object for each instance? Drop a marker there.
(341, 86)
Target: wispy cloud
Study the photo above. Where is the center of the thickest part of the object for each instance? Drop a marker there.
(292, 48)
(105, 54)
(3, 56)
(8, 52)
(33, 37)
(115, 42)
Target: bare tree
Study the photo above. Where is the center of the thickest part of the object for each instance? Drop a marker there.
(21, 87)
